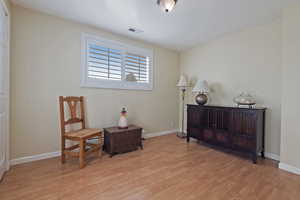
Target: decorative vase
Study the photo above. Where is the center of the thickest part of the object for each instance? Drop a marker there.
(201, 99)
(123, 120)
(203, 90)
(245, 99)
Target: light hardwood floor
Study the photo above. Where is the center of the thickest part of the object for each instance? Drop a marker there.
(167, 168)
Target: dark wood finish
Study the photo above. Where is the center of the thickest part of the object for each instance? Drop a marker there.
(81, 136)
(238, 129)
(118, 140)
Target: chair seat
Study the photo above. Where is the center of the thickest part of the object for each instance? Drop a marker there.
(83, 133)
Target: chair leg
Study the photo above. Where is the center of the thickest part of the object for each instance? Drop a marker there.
(81, 153)
(63, 147)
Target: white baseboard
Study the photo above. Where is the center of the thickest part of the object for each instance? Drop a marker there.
(34, 158)
(289, 168)
(150, 135)
(27, 159)
(272, 156)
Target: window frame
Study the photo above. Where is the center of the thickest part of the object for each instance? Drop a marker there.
(113, 84)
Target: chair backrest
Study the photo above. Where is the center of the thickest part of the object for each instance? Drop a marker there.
(73, 103)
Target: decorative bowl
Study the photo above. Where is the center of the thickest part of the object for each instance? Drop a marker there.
(245, 99)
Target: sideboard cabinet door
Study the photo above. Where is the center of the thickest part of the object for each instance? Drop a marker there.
(216, 129)
(244, 130)
(221, 124)
(193, 122)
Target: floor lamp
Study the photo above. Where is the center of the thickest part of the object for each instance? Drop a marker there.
(182, 84)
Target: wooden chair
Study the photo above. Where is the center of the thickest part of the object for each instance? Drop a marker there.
(81, 136)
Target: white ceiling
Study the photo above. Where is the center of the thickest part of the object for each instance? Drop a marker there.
(192, 22)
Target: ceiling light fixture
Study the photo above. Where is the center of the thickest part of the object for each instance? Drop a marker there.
(166, 5)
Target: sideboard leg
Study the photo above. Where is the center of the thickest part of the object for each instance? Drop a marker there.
(263, 135)
(141, 145)
(254, 158)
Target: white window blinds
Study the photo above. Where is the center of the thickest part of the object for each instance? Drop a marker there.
(138, 66)
(110, 64)
(104, 63)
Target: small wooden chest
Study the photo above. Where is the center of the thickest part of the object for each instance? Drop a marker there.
(118, 140)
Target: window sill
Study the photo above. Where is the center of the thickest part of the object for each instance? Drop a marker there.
(121, 85)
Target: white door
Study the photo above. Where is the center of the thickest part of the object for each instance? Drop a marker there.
(4, 89)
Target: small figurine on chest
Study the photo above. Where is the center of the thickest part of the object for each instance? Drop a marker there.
(123, 124)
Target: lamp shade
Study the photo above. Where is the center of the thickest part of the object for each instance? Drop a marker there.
(182, 82)
(201, 87)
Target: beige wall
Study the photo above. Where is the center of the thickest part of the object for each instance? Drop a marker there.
(290, 137)
(245, 61)
(7, 4)
(45, 63)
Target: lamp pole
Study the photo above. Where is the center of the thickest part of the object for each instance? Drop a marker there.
(182, 134)
(183, 85)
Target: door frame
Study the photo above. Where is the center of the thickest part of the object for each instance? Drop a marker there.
(7, 136)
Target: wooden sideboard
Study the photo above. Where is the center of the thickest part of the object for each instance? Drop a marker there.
(233, 128)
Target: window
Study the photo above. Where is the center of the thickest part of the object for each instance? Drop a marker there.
(110, 64)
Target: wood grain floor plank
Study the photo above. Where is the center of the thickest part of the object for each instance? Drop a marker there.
(167, 168)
